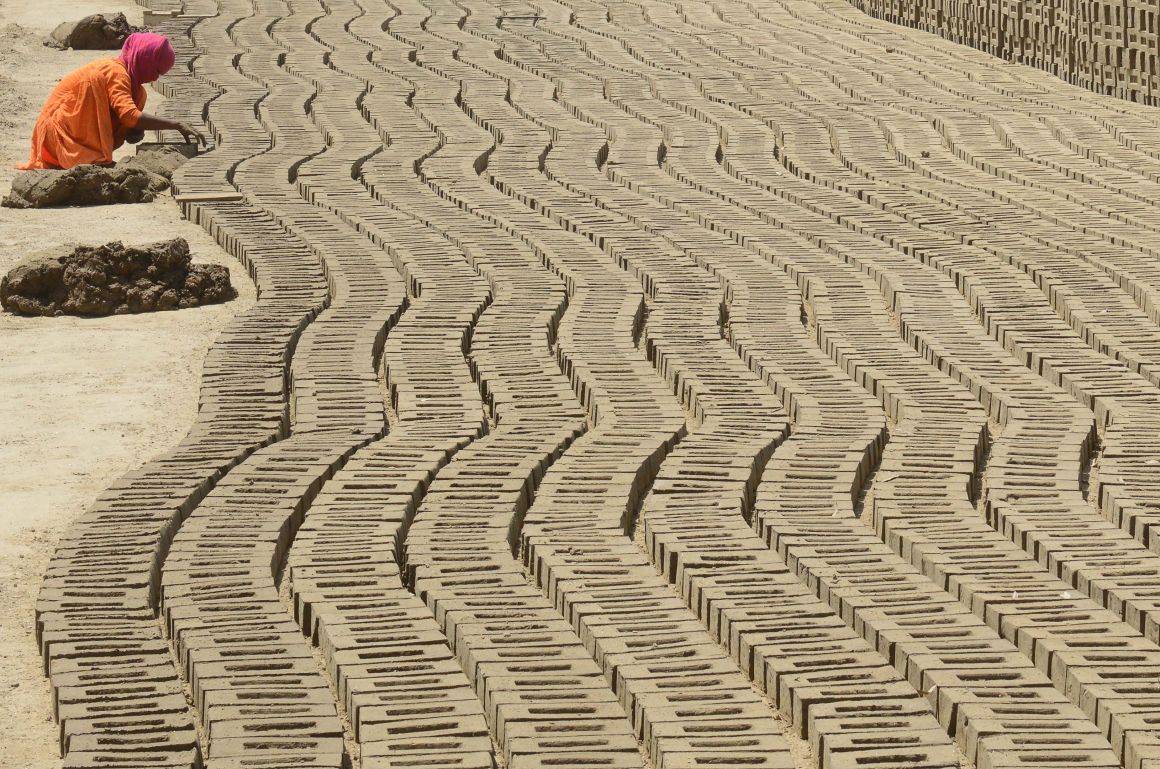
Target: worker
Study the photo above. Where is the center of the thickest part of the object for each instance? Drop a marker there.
(96, 108)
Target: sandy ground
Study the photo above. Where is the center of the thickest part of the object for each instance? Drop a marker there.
(82, 401)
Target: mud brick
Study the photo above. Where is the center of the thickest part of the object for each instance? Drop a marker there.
(239, 702)
(1116, 713)
(1141, 747)
(109, 700)
(577, 759)
(455, 719)
(106, 649)
(902, 750)
(604, 716)
(886, 716)
(729, 718)
(98, 670)
(983, 669)
(642, 674)
(272, 726)
(982, 732)
(240, 657)
(419, 745)
(75, 717)
(270, 708)
(321, 757)
(80, 759)
(1074, 751)
(416, 760)
(415, 677)
(129, 736)
(804, 689)
(485, 663)
(282, 686)
(1032, 711)
(564, 740)
(378, 660)
(274, 746)
(843, 665)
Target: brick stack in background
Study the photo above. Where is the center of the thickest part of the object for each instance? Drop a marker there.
(1108, 46)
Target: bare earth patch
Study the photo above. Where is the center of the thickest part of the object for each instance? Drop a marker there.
(81, 400)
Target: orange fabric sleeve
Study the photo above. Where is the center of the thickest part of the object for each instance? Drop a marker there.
(121, 101)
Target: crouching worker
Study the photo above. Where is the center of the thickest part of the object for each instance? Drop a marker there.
(97, 108)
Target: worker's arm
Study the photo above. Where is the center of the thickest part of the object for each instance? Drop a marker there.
(129, 114)
(149, 122)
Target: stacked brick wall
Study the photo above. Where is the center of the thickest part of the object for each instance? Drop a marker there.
(1108, 46)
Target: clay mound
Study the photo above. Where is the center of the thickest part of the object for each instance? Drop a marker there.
(157, 159)
(136, 179)
(113, 280)
(86, 185)
(97, 32)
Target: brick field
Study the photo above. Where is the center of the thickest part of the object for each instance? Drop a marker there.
(636, 383)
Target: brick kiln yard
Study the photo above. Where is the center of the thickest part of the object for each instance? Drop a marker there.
(638, 383)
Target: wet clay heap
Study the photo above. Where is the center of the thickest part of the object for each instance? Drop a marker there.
(97, 32)
(135, 179)
(113, 280)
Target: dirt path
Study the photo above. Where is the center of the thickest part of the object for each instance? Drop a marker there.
(81, 401)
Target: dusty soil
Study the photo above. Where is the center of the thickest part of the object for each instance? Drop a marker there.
(81, 400)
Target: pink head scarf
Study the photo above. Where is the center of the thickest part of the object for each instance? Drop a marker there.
(147, 56)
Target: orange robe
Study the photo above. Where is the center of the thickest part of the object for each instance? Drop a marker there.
(86, 117)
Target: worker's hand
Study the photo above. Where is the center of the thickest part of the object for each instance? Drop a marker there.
(189, 133)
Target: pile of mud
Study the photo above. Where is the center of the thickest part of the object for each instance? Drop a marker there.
(113, 280)
(97, 32)
(136, 179)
